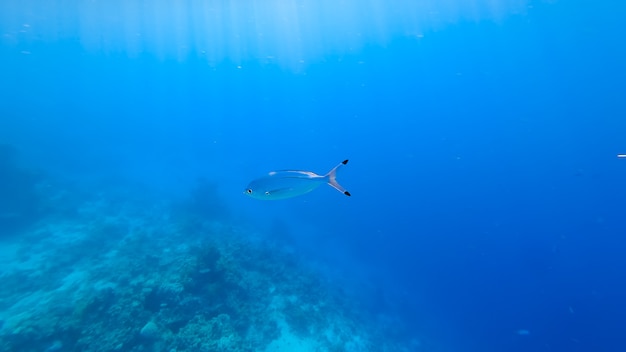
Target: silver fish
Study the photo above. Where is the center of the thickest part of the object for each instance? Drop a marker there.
(291, 183)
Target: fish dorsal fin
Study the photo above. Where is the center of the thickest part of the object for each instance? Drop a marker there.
(294, 173)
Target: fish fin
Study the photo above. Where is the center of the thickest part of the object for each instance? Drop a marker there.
(332, 178)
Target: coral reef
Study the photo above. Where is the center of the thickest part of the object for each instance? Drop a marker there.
(123, 277)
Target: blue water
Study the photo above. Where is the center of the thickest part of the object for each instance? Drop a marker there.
(488, 202)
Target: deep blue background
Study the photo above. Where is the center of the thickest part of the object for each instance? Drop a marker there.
(487, 196)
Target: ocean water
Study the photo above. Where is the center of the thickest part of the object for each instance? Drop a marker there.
(488, 198)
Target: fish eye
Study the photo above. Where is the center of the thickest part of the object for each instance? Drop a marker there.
(249, 191)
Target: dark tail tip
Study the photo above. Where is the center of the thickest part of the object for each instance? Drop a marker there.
(345, 161)
(347, 193)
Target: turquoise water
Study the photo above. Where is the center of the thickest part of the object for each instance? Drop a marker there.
(487, 196)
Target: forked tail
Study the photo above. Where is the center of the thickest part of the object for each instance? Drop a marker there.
(332, 178)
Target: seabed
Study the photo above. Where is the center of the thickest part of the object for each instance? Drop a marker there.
(114, 274)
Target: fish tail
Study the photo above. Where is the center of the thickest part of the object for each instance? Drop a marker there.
(331, 176)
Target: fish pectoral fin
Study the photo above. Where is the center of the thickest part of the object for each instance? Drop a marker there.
(277, 190)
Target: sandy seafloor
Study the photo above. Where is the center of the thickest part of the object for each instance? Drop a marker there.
(115, 271)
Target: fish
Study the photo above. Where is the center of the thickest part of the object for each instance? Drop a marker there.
(286, 184)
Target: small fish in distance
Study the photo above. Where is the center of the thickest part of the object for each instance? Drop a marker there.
(291, 183)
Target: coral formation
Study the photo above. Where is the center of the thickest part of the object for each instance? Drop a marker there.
(124, 277)
(150, 331)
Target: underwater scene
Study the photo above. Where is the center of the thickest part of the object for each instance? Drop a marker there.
(312, 175)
